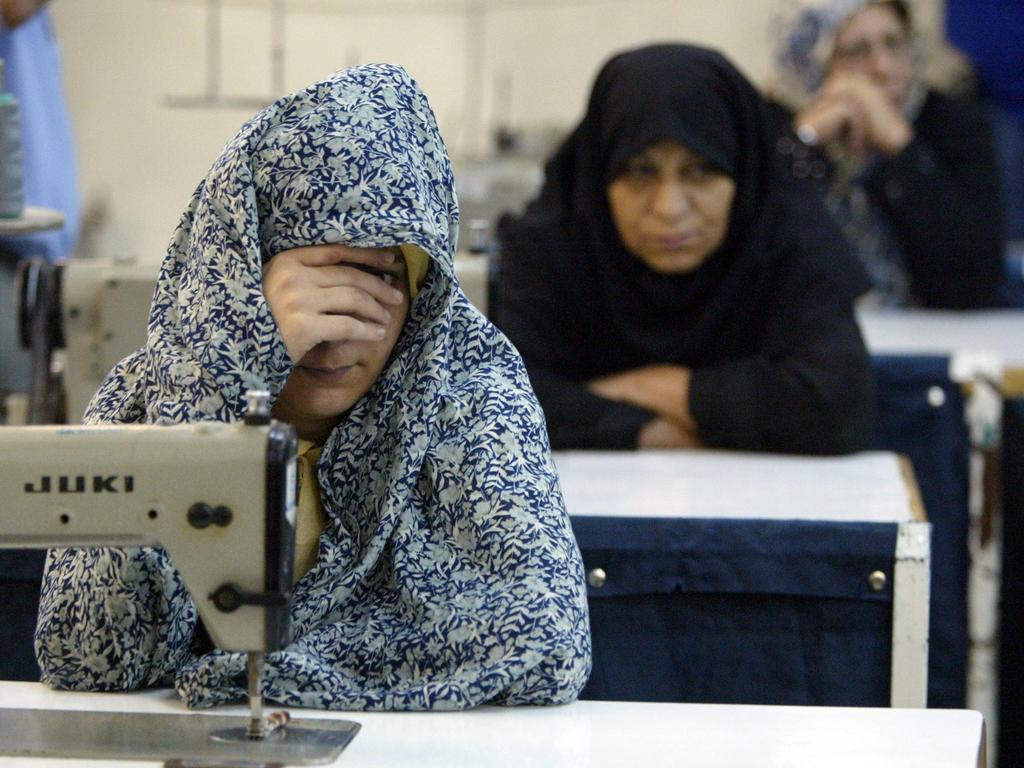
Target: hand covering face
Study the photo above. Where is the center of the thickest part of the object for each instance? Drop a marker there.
(447, 575)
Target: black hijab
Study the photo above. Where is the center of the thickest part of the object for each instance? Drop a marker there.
(715, 313)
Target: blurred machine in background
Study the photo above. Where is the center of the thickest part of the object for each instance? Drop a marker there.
(490, 187)
(103, 312)
(78, 319)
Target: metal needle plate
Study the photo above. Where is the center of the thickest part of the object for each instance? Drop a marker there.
(182, 739)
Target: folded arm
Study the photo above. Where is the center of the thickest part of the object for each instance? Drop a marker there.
(112, 620)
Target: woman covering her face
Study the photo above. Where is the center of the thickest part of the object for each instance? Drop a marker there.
(909, 173)
(666, 290)
(315, 261)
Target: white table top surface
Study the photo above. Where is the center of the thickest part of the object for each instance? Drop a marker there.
(946, 332)
(865, 487)
(600, 734)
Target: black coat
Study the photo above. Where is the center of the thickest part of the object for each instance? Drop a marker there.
(939, 197)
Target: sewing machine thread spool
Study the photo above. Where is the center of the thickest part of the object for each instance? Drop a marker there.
(12, 186)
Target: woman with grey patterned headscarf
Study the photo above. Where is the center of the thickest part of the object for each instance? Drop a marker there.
(437, 567)
(909, 173)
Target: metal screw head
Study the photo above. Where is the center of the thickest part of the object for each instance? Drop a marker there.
(200, 515)
(596, 577)
(877, 580)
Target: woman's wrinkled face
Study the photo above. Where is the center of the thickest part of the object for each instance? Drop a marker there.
(874, 42)
(333, 376)
(671, 207)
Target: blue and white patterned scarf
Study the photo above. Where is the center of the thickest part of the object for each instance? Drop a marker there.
(448, 575)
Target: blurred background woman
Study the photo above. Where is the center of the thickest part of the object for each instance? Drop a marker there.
(909, 173)
(668, 289)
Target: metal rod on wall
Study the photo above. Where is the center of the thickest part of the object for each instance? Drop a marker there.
(475, 58)
(213, 97)
(213, 19)
(277, 50)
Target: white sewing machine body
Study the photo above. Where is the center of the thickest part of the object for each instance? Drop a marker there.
(220, 498)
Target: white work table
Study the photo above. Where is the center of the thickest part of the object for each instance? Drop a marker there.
(609, 494)
(867, 487)
(945, 332)
(600, 734)
(988, 341)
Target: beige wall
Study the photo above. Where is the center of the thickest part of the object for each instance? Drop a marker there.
(526, 61)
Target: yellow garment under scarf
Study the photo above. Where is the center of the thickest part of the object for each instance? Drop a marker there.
(416, 262)
(310, 518)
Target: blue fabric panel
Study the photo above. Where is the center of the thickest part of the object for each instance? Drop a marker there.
(21, 573)
(936, 441)
(741, 649)
(645, 556)
(739, 611)
(1011, 610)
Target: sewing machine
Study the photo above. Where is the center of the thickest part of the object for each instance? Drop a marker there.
(220, 499)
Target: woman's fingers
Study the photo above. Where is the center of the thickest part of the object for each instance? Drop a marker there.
(884, 128)
(308, 316)
(349, 300)
(827, 119)
(337, 328)
(331, 293)
(324, 255)
(836, 118)
(304, 330)
(376, 285)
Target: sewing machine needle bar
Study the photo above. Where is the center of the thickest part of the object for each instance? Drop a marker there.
(257, 727)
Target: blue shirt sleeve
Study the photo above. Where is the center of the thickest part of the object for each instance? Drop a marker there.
(32, 72)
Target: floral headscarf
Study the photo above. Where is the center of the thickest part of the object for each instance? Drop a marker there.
(804, 32)
(447, 575)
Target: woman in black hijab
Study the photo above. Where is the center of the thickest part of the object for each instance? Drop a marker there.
(667, 289)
